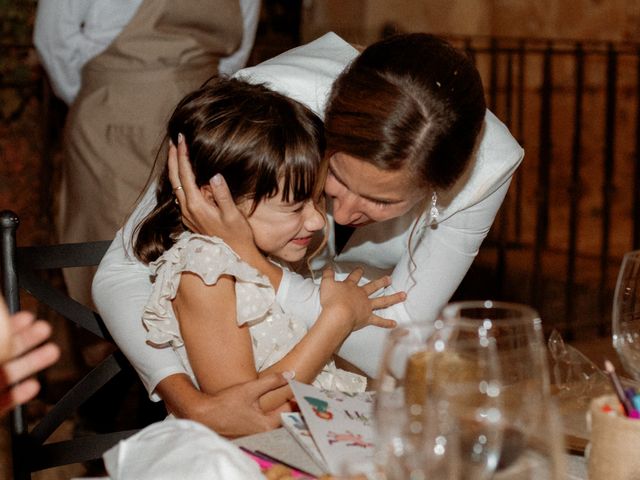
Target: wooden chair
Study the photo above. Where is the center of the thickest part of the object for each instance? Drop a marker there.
(22, 269)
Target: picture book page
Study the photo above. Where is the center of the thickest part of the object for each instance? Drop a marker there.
(341, 424)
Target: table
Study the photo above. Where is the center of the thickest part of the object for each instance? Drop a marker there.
(280, 444)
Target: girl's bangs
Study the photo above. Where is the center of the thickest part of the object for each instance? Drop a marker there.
(300, 177)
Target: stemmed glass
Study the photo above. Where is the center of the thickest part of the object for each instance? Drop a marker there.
(532, 441)
(625, 318)
(424, 399)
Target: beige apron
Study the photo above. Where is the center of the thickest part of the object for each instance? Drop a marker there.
(116, 125)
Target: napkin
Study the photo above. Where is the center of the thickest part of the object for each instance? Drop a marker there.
(176, 448)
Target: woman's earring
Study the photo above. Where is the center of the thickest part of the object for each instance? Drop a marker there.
(434, 213)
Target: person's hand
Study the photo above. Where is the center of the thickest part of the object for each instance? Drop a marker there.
(232, 412)
(5, 332)
(222, 218)
(352, 302)
(22, 359)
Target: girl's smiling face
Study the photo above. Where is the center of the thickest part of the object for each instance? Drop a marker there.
(281, 229)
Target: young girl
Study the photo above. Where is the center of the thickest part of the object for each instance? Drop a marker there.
(219, 313)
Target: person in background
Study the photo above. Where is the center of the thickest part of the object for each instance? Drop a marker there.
(22, 355)
(121, 66)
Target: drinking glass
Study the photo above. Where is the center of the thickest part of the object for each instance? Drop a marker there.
(532, 438)
(625, 320)
(463, 379)
(398, 408)
(419, 419)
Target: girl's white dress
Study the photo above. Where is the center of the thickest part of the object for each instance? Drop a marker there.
(273, 332)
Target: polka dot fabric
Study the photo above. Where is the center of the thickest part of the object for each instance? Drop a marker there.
(273, 332)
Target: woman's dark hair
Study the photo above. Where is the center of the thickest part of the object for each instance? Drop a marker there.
(413, 100)
(251, 135)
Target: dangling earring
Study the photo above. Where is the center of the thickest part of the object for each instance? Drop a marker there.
(434, 213)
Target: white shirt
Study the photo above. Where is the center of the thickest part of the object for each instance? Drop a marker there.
(69, 33)
(442, 255)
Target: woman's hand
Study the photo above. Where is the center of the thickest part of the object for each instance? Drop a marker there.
(222, 218)
(232, 412)
(352, 303)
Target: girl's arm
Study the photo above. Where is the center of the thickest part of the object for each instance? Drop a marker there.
(221, 353)
(219, 350)
(346, 307)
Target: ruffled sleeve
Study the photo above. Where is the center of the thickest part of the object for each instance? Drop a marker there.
(209, 258)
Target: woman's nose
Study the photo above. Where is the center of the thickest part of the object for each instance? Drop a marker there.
(344, 208)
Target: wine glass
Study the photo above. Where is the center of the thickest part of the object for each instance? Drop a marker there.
(532, 439)
(398, 408)
(625, 320)
(420, 400)
(463, 378)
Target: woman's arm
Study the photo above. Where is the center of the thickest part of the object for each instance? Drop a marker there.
(232, 412)
(121, 288)
(442, 259)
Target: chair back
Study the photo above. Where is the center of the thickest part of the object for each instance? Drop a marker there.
(22, 270)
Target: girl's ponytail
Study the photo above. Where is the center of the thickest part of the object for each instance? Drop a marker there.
(157, 231)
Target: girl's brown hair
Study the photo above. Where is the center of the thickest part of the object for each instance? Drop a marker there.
(251, 135)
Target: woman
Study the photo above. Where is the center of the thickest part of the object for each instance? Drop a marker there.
(426, 241)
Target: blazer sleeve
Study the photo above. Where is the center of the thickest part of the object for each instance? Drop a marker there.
(433, 267)
(121, 289)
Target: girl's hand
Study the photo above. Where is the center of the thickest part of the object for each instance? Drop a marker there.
(350, 302)
(220, 218)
